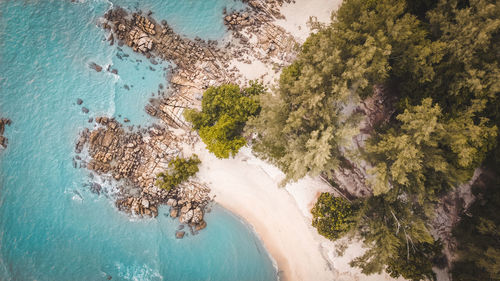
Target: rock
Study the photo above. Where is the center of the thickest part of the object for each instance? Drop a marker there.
(85, 110)
(186, 217)
(197, 215)
(180, 234)
(79, 101)
(185, 208)
(95, 66)
(145, 203)
(126, 120)
(172, 202)
(95, 188)
(114, 71)
(200, 226)
(108, 138)
(174, 212)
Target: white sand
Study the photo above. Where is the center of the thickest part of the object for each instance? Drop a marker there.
(297, 15)
(248, 187)
(281, 217)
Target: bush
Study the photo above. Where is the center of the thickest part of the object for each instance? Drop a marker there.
(181, 169)
(332, 216)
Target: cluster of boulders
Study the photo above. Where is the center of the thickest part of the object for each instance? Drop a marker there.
(144, 24)
(135, 158)
(139, 41)
(3, 140)
(238, 19)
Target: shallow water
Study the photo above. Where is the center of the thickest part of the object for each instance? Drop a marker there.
(51, 226)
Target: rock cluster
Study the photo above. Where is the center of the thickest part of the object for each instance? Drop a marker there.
(238, 20)
(201, 64)
(135, 158)
(3, 123)
(144, 24)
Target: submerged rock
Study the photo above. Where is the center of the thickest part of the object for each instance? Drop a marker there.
(180, 234)
(95, 66)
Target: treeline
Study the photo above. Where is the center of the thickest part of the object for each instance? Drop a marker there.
(439, 61)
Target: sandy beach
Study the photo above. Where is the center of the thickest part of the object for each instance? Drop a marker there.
(249, 187)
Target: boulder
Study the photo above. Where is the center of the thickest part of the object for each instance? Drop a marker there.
(186, 217)
(174, 212)
(85, 110)
(95, 67)
(145, 203)
(180, 234)
(200, 226)
(197, 215)
(172, 202)
(79, 101)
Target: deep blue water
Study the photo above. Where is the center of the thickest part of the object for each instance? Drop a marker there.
(51, 226)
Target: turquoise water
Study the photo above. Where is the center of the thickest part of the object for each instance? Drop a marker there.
(51, 226)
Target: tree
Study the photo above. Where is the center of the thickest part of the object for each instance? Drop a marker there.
(417, 266)
(478, 233)
(440, 61)
(332, 216)
(181, 169)
(426, 144)
(225, 110)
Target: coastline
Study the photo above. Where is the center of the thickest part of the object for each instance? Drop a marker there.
(244, 185)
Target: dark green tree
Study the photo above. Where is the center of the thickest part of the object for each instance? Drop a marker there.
(225, 110)
(478, 233)
(332, 216)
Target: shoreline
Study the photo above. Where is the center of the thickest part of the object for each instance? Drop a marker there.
(258, 45)
(243, 186)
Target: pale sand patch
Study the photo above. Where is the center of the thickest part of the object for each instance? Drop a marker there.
(297, 15)
(249, 187)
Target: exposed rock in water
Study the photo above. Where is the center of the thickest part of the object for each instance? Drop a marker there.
(79, 101)
(85, 110)
(95, 66)
(3, 140)
(137, 157)
(180, 234)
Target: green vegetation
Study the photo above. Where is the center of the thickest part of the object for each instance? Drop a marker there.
(478, 234)
(440, 63)
(332, 216)
(181, 169)
(225, 110)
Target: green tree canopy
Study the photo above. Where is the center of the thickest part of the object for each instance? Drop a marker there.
(225, 110)
(332, 216)
(478, 234)
(181, 169)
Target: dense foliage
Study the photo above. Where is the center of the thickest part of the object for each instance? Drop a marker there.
(332, 216)
(478, 235)
(181, 169)
(440, 62)
(225, 110)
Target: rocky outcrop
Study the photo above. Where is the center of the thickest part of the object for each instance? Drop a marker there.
(201, 64)
(3, 140)
(135, 158)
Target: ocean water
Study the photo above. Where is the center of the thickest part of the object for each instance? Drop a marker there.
(51, 226)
